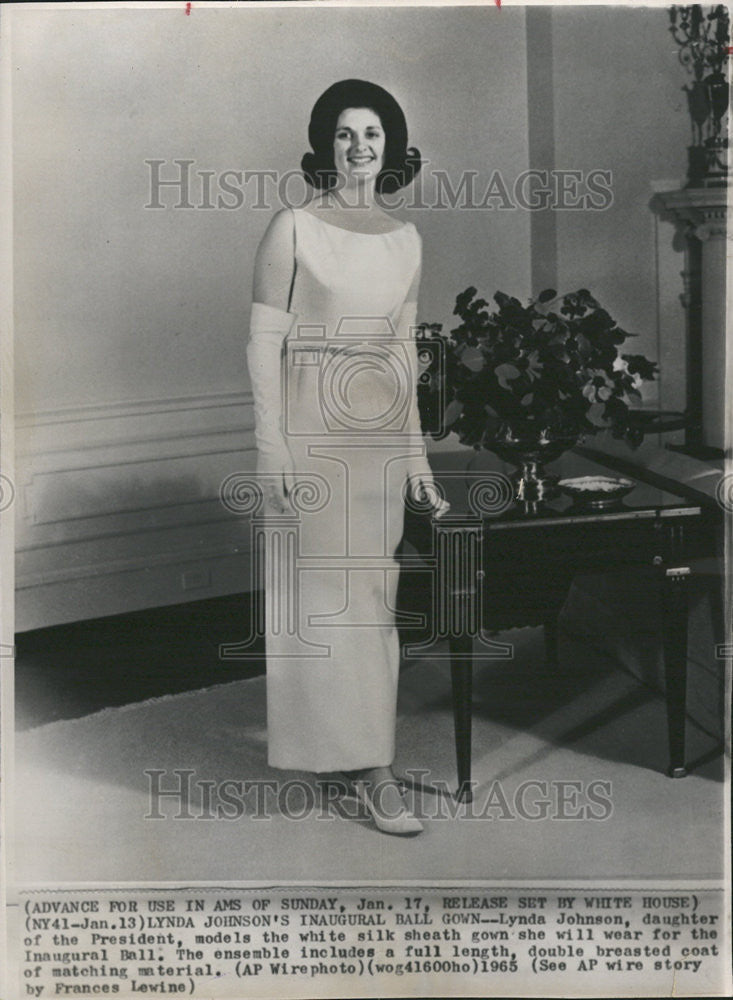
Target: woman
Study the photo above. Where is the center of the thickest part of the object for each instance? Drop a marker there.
(333, 366)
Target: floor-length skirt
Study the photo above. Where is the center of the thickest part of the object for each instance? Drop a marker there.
(331, 579)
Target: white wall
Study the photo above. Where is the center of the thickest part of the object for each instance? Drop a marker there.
(131, 385)
(132, 392)
(619, 105)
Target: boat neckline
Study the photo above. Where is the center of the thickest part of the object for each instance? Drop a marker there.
(355, 232)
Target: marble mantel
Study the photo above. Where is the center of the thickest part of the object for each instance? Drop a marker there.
(700, 216)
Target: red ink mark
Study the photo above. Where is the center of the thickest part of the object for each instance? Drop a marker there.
(188, 9)
(498, 3)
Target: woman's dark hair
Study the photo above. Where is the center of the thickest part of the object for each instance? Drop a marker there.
(401, 164)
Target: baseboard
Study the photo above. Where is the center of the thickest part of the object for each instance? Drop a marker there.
(118, 506)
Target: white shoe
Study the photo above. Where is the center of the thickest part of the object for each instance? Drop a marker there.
(404, 824)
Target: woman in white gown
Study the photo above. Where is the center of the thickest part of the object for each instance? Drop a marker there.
(333, 366)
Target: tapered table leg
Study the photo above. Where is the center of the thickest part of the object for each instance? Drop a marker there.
(674, 643)
(461, 665)
(550, 630)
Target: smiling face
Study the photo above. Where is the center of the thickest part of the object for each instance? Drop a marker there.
(358, 145)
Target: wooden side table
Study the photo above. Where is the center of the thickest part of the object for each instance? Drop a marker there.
(505, 567)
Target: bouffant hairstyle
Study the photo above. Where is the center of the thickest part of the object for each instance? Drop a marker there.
(401, 164)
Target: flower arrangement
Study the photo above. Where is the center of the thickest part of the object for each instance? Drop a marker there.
(548, 370)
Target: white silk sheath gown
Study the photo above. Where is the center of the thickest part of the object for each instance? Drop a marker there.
(331, 576)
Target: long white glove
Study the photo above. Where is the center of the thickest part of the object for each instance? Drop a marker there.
(268, 328)
(419, 473)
